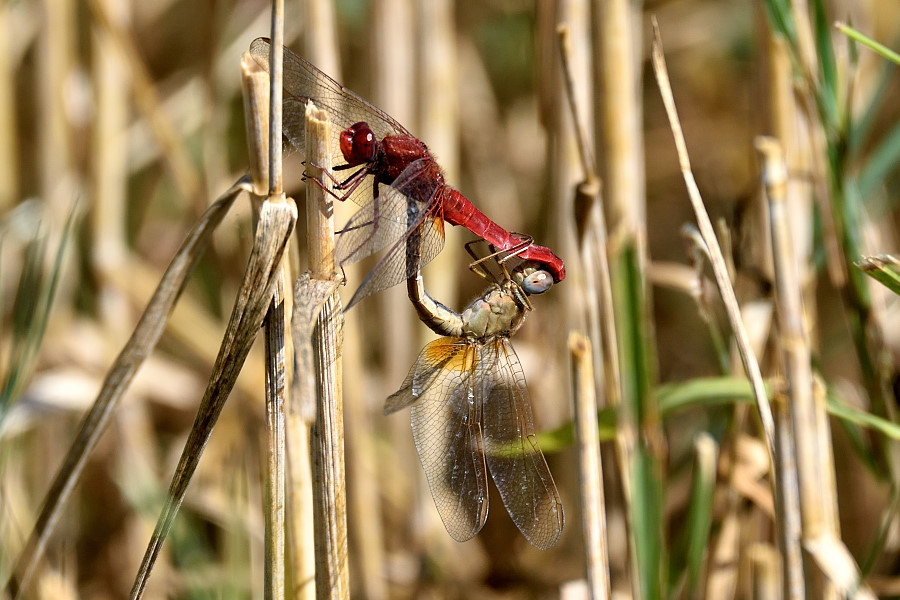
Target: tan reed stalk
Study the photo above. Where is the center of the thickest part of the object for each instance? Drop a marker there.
(811, 431)
(717, 261)
(393, 67)
(276, 461)
(593, 502)
(142, 341)
(787, 504)
(176, 158)
(592, 236)
(109, 167)
(438, 86)
(327, 440)
(275, 502)
(9, 141)
(765, 580)
(57, 52)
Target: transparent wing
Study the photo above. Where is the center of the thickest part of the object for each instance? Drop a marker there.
(447, 434)
(404, 218)
(303, 81)
(513, 455)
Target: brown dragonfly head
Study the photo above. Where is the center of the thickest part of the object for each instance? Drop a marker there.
(358, 144)
(532, 278)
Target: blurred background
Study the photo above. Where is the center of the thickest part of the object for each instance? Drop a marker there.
(125, 120)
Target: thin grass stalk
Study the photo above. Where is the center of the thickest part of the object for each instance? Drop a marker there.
(57, 52)
(717, 261)
(263, 270)
(110, 164)
(327, 440)
(9, 141)
(142, 341)
(176, 158)
(593, 502)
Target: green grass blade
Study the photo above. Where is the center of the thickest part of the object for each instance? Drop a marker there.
(884, 268)
(863, 39)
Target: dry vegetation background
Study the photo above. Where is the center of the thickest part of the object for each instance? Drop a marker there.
(128, 116)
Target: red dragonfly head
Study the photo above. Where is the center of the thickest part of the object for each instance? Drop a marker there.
(358, 144)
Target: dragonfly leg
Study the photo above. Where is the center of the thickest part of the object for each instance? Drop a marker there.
(373, 224)
(347, 186)
(505, 255)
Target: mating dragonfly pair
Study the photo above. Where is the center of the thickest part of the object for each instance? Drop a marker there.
(470, 410)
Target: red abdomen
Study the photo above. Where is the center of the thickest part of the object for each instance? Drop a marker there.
(457, 210)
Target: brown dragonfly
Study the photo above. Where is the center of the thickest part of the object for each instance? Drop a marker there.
(471, 412)
(387, 158)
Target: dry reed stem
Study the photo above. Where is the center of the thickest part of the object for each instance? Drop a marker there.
(765, 579)
(592, 236)
(593, 502)
(255, 87)
(9, 141)
(109, 167)
(327, 439)
(439, 123)
(174, 154)
(275, 447)
(143, 340)
(276, 222)
(276, 66)
(717, 261)
(56, 55)
(811, 431)
(310, 296)
(787, 504)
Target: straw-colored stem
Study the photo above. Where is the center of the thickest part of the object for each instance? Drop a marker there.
(593, 502)
(9, 141)
(327, 440)
(717, 261)
(110, 164)
(275, 447)
(276, 66)
(813, 466)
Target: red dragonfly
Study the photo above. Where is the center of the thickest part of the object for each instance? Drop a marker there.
(398, 183)
(471, 413)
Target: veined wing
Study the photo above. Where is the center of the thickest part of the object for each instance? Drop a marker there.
(447, 433)
(403, 218)
(303, 81)
(511, 448)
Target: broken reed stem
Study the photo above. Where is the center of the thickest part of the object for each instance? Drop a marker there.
(593, 502)
(327, 439)
(717, 261)
(142, 342)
